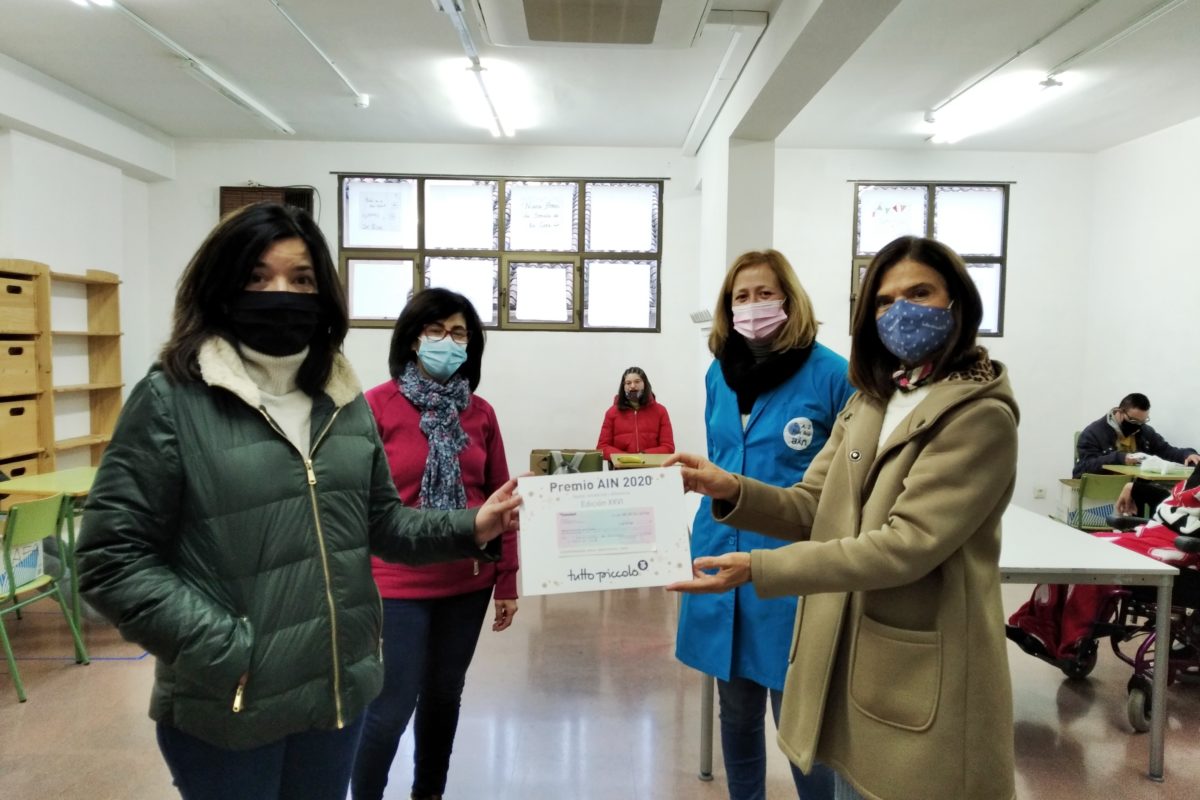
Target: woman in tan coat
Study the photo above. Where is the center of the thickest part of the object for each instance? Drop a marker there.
(898, 676)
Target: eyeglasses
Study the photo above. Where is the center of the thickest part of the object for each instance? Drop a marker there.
(436, 332)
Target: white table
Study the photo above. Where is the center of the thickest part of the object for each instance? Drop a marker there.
(1038, 549)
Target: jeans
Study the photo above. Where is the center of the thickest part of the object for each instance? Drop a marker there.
(842, 790)
(743, 742)
(427, 647)
(314, 765)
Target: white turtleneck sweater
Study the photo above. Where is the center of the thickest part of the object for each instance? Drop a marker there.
(899, 406)
(286, 403)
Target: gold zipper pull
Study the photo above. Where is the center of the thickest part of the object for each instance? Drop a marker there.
(237, 698)
(312, 476)
(475, 561)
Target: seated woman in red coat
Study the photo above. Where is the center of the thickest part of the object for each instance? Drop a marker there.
(636, 422)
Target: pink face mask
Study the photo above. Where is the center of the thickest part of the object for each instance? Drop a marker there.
(758, 321)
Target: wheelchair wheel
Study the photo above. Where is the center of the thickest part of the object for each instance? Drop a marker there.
(1081, 666)
(1138, 706)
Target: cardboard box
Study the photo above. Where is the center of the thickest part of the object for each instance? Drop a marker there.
(1095, 512)
(566, 460)
(27, 564)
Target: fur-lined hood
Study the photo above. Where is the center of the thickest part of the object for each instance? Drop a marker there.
(221, 365)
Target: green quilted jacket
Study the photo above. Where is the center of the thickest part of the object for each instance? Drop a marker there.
(213, 542)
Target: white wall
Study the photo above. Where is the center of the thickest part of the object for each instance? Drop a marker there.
(53, 112)
(1049, 242)
(549, 389)
(1143, 283)
(74, 213)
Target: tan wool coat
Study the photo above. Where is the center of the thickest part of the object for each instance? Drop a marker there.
(898, 676)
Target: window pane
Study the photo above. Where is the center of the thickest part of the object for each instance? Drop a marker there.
(380, 212)
(378, 289)
(888, 212)
(620, 294)
(461, 215)
(970, 219)
(475, 278)
(539, 292)
(989, 278)
(541, 216)
(621, 217)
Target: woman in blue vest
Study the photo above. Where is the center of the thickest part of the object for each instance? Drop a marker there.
(773, 394)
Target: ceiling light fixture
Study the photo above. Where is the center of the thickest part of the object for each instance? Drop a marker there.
(745, 28)
(204, 73)
(990, 105)
(360, 100)
(1001, 100)
(950, 125)
(453, 10)
(1133, 27)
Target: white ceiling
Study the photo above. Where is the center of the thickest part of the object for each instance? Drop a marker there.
(396, 50)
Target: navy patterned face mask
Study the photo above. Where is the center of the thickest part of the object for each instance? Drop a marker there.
(912, 332)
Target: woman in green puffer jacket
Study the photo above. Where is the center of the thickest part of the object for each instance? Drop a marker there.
(230, 527)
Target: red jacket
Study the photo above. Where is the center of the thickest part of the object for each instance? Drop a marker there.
(484, 469)
(644, 430)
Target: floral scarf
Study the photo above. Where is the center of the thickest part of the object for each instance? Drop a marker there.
(440, 405)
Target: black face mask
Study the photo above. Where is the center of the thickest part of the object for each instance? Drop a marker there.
(1130, 428)
(275, 323)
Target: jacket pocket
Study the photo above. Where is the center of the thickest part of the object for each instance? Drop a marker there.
(896, 674)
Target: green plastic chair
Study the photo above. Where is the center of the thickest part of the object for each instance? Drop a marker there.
(29, 523)
(1097, 500)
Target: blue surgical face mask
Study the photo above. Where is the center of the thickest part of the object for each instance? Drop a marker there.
(912, 332)
(441, 358)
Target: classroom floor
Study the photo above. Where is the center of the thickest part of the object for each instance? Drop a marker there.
(580, 699)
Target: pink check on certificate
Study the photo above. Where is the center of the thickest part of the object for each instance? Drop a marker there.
(603, 530)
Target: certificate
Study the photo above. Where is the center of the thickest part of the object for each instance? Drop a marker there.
(587, 531)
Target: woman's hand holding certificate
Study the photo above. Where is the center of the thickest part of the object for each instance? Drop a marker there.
(704, 477)
(728, 571)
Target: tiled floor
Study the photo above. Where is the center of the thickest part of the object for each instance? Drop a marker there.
(580, 699)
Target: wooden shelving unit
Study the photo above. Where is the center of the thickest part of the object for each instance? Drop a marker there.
(28, 445)
(26, 402)
(103, 336)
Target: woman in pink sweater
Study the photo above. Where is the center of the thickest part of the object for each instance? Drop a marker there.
(445, 451)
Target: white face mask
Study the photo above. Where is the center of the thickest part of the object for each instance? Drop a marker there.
(759, 321)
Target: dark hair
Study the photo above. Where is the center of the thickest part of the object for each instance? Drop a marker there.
(1136, 400)
(871, 364)
(434, 305)
(647, 392)
(220, 271)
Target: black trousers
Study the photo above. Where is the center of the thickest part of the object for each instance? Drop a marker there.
(1147, 495)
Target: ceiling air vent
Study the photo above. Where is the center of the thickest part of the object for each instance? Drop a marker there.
(592, 23)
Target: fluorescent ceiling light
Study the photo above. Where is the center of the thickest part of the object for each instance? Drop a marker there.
(360, 100)
(992, 104)
(744, 29)
(989, 102)
(493, 117)
(202, 72)
(488, 89)
(495, 96)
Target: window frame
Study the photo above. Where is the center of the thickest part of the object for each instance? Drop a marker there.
(502, 254)
(859, 263)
